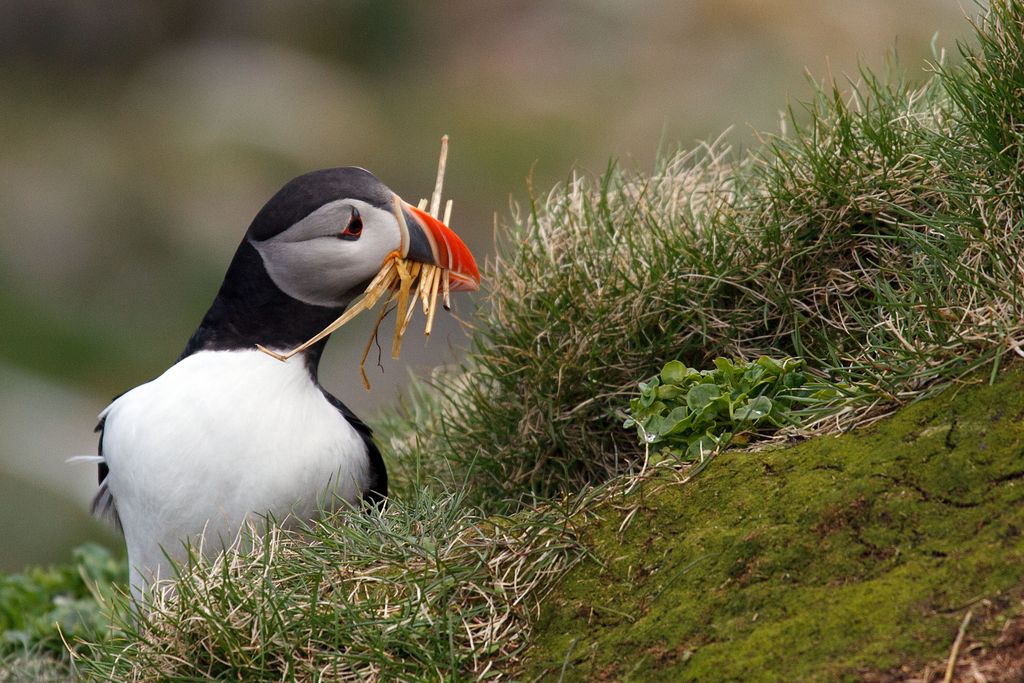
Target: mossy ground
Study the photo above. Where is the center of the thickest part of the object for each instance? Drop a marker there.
(826, 560)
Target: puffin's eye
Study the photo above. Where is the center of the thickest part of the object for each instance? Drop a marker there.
(354, 228)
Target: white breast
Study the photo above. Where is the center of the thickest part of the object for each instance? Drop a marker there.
(222, 437)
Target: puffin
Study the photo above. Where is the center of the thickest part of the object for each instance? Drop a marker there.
(229, 435)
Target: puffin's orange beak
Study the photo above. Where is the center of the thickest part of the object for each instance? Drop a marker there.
(431, 241)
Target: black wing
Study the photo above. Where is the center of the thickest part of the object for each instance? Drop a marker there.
(103, 503)
(378, 489)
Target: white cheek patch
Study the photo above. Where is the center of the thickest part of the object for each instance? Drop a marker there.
(308, 262)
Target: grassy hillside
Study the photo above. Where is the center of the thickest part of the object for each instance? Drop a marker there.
(877, 237)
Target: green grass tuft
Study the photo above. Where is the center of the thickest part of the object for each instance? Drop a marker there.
(879, 239)
(427, 590)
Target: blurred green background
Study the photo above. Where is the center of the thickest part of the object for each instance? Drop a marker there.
(138, 139)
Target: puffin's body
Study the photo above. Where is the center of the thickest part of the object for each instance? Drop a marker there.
(228, 433)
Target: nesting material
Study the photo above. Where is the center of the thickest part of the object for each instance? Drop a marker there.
(408, 284)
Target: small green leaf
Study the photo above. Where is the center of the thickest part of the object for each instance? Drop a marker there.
(753, 374)
(669, 391)
(755, 409)
(789, 364)
(678, 421)
(649, 387)
(701, 395)
(674, 372)
(794, 379)
(678, 413)
(652, 428)
(726, 366)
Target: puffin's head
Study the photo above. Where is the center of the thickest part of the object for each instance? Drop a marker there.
(325, 234)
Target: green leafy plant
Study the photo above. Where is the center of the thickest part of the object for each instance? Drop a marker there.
(692, 412)
(44, 607)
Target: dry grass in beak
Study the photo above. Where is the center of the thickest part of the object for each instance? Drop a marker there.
(405, 282)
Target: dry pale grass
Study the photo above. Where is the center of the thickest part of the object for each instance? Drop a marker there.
(357, 597)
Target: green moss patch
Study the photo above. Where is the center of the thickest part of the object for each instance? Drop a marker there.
(826, 560)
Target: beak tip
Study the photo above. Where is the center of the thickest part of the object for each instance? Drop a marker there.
(449, 251)
(462, 282)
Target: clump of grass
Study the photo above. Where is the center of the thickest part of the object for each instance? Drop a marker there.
(879, 238)
(428, 589)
